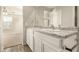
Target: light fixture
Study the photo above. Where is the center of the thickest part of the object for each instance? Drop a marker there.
(4, 11)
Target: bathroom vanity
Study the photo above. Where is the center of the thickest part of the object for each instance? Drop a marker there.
(49, 40)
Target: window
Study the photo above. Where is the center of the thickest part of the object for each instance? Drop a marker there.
(7, 20)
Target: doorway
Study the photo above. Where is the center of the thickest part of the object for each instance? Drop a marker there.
(12, 26)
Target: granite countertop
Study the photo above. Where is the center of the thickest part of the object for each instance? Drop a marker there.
(58, 33)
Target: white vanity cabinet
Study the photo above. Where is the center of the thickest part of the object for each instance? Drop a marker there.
(40, 40)
(45, 43)
(29, 38)
(54, 42)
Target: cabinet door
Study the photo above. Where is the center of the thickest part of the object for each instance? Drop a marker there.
(30, 38)
(37, 43)
(47, 47)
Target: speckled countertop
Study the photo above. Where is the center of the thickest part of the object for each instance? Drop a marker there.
(58, 33)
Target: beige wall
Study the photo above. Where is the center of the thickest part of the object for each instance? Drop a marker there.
(18, 26)
(0, 28)
(26, 12)
(32, 16)
(17, 23)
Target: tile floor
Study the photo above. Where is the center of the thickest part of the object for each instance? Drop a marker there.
(18, 48)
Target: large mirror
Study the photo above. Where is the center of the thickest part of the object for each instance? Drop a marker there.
(63, 16)
(50, 16)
